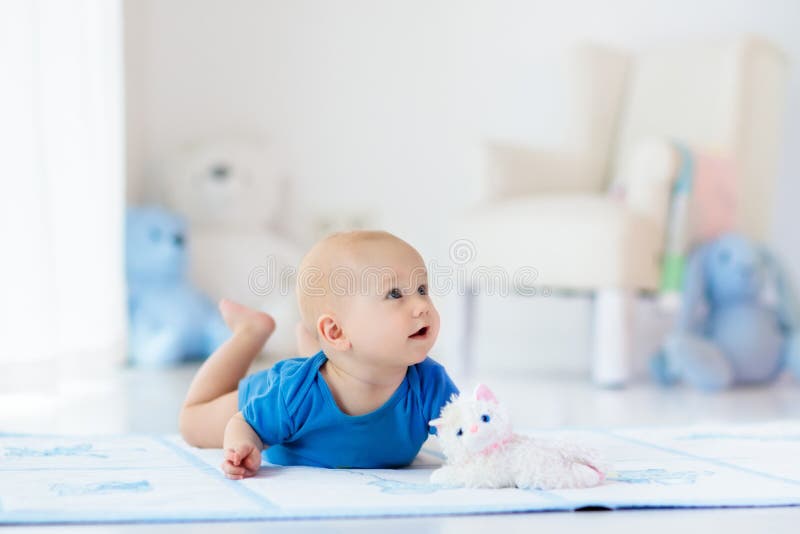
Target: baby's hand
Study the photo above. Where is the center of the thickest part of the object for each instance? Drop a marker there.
(242, 461)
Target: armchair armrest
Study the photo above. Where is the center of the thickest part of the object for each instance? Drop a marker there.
(519, 171)
(647, 175)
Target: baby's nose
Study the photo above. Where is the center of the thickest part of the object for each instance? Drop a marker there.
(473, 428)
(420, 308)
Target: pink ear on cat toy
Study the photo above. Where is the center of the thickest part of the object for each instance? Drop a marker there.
(482, 392)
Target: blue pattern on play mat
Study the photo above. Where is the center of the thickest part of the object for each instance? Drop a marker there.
(139, 478)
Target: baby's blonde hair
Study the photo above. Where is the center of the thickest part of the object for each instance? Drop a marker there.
(336, 251)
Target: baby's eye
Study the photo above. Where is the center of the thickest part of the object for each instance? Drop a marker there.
(394, 294)
(485, 418)
(422, 290)
(459, 432)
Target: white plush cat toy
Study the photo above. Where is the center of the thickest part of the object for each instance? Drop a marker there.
(483, 452)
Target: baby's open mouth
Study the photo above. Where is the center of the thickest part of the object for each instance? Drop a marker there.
(419, 333)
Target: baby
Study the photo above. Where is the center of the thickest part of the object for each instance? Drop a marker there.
(366, 395)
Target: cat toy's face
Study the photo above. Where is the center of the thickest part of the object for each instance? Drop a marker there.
(468, 426)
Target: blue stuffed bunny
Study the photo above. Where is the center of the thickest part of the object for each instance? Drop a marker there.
(727, 334)
(168, 320)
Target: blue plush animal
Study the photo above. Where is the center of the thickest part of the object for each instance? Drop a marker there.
(727, 332)
(168, 320)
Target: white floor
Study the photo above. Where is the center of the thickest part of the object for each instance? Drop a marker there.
(119, 401)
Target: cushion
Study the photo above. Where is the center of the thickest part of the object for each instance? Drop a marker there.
(576, 241)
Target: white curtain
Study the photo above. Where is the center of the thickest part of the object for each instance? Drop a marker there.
(61, 182)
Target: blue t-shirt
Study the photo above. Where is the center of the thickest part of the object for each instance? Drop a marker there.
(294, 412)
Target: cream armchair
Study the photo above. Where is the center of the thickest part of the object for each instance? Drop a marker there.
(555, 211)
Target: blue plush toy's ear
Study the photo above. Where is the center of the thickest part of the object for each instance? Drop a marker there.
(788, 309)
(694, 292)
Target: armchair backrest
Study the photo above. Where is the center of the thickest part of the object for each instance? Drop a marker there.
(726, 98)
(598, 77)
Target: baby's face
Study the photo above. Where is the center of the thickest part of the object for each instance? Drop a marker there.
(390, 320)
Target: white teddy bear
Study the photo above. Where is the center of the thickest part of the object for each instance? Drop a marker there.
(227, 183)
(233, 191)
(483, 452)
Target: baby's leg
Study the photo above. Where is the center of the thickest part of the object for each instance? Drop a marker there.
(212, 398)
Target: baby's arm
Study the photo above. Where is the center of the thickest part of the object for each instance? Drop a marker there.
(242, 449)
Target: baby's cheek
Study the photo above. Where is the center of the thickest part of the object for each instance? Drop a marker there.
(366, 325)
(379, 334)
(434, 320)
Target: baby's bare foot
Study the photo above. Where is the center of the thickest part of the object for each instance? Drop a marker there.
(241, 318)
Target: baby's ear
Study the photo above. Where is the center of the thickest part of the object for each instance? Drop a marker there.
(482, 392)
(329, 330)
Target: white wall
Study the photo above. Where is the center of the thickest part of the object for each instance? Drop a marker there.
(383, 107)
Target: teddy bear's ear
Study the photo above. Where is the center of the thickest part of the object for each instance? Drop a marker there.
(694, 288)
(482, 392)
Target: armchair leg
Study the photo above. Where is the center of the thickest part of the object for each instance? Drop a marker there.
(611, 337)
(465, 364)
